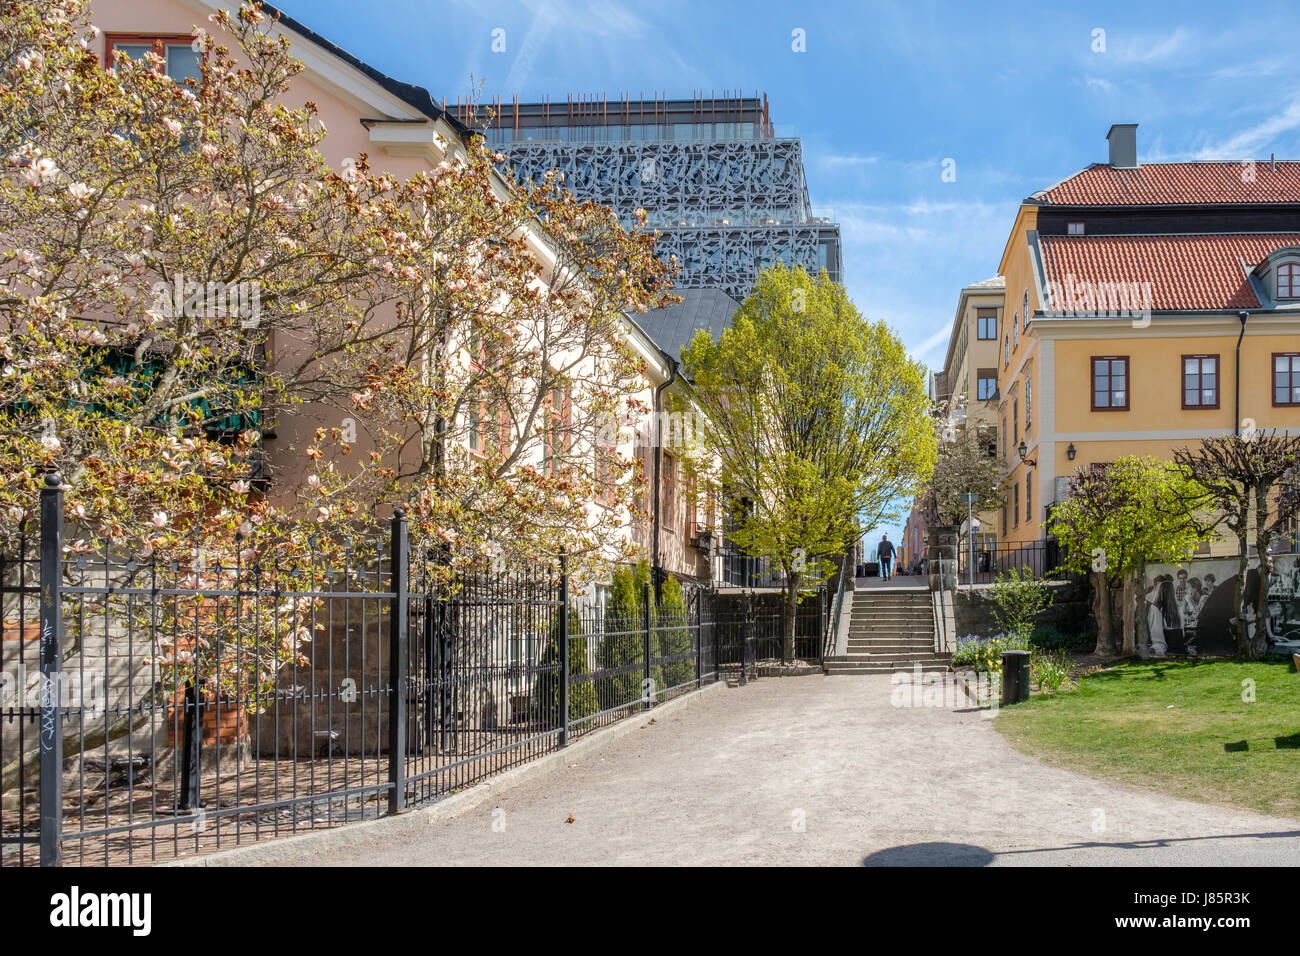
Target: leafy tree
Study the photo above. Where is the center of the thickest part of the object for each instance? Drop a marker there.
(1245, 482)
(582, 693)
(815, 417)
(1118, 518)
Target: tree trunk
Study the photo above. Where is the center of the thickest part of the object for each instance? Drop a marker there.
(1142, 625)
(1238, 593)
(1101, 610)
(791, 609)
(1129, 646)
(1263, 543)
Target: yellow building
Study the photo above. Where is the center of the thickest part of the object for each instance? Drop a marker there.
(1149, 306)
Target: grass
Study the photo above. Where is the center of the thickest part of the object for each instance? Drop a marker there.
(1179, 727)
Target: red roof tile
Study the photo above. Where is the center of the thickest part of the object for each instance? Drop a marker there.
(1184, 272)
(1177, 184)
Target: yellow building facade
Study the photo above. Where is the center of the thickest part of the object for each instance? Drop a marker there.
(1148, 307)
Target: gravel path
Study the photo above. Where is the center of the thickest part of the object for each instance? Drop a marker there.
(824, 770)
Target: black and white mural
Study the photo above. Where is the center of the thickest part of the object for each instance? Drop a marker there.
(1189, 607)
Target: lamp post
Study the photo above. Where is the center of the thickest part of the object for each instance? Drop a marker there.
(970, 498)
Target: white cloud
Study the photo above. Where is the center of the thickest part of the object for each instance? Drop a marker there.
(1150, 48)
(1249, 142)
(848, 160)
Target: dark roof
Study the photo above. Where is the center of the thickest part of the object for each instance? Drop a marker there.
(415, 96)
(674, 326)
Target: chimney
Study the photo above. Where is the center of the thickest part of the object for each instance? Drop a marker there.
(1123, 145)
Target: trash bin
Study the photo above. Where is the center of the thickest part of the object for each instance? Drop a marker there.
(1015, 677)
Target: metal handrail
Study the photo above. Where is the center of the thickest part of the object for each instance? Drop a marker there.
(837, 607)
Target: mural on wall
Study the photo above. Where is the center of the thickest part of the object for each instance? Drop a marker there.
(1190, 610)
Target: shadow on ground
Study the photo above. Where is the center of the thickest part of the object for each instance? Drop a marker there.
(931, 854)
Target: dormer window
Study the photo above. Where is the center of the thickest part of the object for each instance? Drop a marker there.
(1288, 280)
(1279, 274)
(1074, 228)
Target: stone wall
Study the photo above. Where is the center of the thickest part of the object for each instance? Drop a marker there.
(1070, 611)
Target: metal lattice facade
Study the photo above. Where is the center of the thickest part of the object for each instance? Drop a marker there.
(727, 209)
(730, 259)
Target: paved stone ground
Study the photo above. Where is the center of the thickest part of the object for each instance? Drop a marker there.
(727, 780)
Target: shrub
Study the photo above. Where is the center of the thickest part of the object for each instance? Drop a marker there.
(623, 643)
(1048, 638)
(676, 638)
(582, 693)
(984, 654)
(1049, 669)
(1018, 597)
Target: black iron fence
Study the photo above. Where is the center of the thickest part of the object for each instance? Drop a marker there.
(154, 709)
(1040, 559)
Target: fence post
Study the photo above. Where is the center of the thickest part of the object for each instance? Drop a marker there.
(824, 596)
(51, 610)
(564, 651)
(717, 640)
(699, 638)
(191, 749)
(398, 562)
(744, 639)
(647, 690)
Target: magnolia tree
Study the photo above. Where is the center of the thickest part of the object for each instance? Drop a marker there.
(816, 419)
(180, 269)
(509, 386)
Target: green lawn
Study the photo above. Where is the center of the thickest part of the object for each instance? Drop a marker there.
(1180, 727)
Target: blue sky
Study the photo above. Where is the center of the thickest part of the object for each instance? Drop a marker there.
(1014, 93)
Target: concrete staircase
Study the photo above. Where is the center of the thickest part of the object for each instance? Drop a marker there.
(889, 631)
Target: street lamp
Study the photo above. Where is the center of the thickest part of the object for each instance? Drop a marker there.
(1071, 452)
(1024, 449)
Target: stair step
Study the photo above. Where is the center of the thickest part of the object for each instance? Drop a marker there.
(856, 667)
(889, 645)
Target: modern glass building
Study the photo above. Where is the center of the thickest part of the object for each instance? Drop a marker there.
(723, 185)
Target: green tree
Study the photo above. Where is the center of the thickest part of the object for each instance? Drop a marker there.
(675, 634)
(1118, 518)
(582, 693)
(622, 641)
(815, 418)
